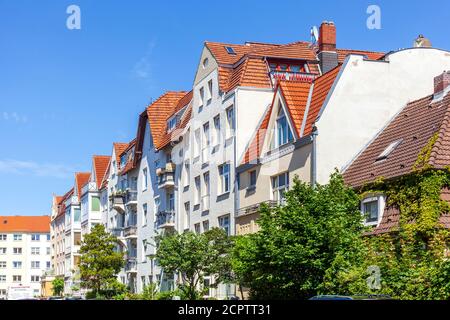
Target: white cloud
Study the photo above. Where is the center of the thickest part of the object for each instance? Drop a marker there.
(14, 116)
(36, 169)
(142, 69)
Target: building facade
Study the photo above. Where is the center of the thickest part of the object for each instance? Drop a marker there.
(25, 252)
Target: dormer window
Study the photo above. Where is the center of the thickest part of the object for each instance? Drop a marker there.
(283, 133)
(230, 50)
(372, 208)
(171, 123)
(123, 160)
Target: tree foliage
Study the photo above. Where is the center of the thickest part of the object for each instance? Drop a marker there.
(303, 246)
(100, 263)
(58, 286)
(193, 256)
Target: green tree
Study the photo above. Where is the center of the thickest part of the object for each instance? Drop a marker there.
(192, 256)
(303, 245)
(58, 286)
(99, 263)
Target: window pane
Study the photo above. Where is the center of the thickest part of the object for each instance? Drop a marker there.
(371, 211)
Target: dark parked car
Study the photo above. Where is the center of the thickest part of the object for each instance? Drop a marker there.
(355, 297)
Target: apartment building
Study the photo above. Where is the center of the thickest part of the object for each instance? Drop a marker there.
(24, 252)
(311, 129)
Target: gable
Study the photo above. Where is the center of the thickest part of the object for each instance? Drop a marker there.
(202, 71)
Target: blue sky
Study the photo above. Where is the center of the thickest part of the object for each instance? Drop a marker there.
(68, 94)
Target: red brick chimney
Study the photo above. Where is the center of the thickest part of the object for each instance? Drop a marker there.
(441, 82)
(327, 46)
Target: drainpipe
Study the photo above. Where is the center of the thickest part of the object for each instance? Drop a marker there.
(314, 157)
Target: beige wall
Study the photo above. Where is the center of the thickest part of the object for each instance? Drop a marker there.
(201, 71)
(297, 163)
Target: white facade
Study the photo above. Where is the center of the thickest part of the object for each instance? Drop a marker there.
(23, 259)
(366, 96)
(71, 244)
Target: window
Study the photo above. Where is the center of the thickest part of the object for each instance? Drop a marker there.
(230, 122)
(17, 278)
(35, 251)
(224, 178)
(230, 50)
(197, 190)
(48, 236)
(2, 292)
(17, 264)
(144, 179)
(283, 132)
(95, 203)
(216, 136)
(280, 184)
(205, 143)
(17, 250)
(372, 209)
(144, 215)
(3, 237)
(35, 264)
(210, 90)
(2, 278)
(224, 223)
(123, 160)
(389, 150)
(171, 198)
(17, 237)
(47, 250)
(2, 264)
(157, 202)
(197, 228)
(171, 123)
(144, 251)
(252, 178)
(205, 225)
(2, 250)
(202, 99)
(187, 174)
(77, 215)
(35, 279)
(186, 215)
(197, 143)
(77, 238)
(206, 192)
(35, 237)
(47, 264)
(205, 63)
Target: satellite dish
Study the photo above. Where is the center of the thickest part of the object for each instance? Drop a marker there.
(314, 34)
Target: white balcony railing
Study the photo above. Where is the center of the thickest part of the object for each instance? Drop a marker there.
(165, 219)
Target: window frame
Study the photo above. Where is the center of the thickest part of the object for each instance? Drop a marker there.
(223, 177)
(381, 203)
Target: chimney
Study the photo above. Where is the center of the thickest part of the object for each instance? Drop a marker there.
(327, 46)
(442, 82)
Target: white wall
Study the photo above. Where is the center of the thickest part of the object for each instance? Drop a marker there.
(367, 96)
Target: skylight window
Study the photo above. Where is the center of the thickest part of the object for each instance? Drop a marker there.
(230, 50)
(389, 150)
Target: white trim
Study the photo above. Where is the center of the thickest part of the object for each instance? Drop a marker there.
(381, 203)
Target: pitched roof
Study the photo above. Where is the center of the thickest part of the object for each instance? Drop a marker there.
(414, 126)
(119, 147)
(296, 95)
(322, 86)
(100, 164)
(81, 178)
(296, 50)
(371, 55)
(159, 111)
(38, 224)
(61, 204)
(129, 165)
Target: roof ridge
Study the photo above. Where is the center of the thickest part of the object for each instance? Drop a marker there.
(443, 130)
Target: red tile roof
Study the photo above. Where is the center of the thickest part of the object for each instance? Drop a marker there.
(61, 204)
(38, 224)
(371, 55)
(322, 86)
(100, 164)
(415, 125)
(159, 111)
(119, 147)
(297, 50)
(129, 165)
(81, 178)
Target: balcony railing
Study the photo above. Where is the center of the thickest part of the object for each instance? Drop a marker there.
(118, 232)
(254, 208)
(166, 176)
(165, 219)
(130, 231)
(205, 203)
(116, 201)
(293, 76)
(131, 264)
(131, 197)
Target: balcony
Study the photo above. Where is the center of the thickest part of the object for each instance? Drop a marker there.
(116, 201)
(165, 219)
(131, 265)
(276, 76)
(130, 231)
(117, 232)
(131, 198)
(254, 208)
(205, 203)
(166, 176)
